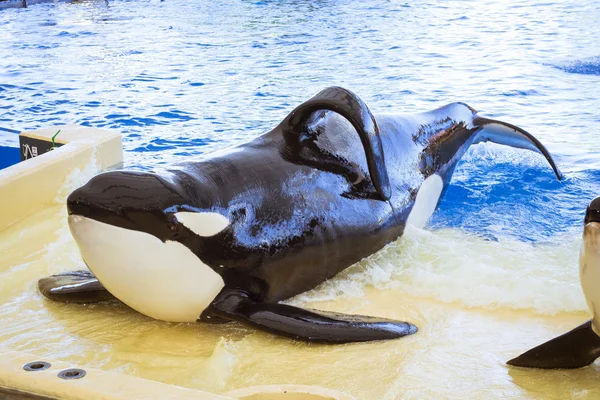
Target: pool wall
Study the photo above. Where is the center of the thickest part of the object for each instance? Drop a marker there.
(96, 384)
(33, 183)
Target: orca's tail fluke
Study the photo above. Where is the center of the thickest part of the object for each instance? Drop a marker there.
(510, 135)
(574, 349)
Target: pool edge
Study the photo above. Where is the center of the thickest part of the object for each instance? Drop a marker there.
(45, 383)
(33, 183)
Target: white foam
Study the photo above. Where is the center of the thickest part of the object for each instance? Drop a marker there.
(219, 368)
(77, 178)
(455, 267)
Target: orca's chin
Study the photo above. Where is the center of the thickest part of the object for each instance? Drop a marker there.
(595, 225)
(591, 234)
(163, 280)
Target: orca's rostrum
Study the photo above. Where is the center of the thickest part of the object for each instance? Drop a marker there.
(229, 235)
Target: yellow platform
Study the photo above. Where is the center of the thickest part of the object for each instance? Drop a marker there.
(29, 185)
(476, 303)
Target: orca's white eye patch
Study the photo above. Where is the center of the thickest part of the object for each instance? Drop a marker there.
(203, 223)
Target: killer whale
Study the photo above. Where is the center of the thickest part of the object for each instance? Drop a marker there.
(580, 346)
(231, 234)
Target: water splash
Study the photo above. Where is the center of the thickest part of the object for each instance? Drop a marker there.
(452, 266)
(590, 66)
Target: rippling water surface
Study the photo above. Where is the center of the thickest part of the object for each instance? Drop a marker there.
(181, 78)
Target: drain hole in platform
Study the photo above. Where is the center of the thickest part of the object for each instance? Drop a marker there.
(36, 366)
(72, 373)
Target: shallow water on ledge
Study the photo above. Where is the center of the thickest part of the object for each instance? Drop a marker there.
(477, 303)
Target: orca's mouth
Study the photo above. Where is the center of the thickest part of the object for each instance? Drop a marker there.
(591, 235)
(592, 226)
(592, 215)
(81, 209)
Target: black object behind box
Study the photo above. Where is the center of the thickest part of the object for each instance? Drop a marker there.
(33, 147)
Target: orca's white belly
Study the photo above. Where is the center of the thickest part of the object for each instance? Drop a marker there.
(163, 280)
(589, 271)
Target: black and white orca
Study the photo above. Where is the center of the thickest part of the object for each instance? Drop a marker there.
(580, 346)
(229, 235)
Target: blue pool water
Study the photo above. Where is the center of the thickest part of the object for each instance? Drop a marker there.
(179, 78)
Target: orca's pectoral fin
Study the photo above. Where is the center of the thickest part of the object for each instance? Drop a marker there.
(74, 287)
(574, 349)
(510, 135)
(351, 107)
(303, 324)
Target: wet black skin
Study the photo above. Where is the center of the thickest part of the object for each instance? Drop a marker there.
(592, 213)
(575, 349)
(327, 187)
